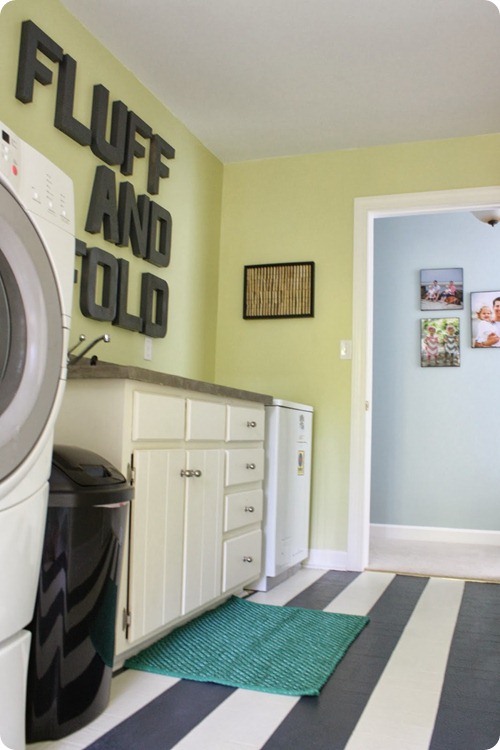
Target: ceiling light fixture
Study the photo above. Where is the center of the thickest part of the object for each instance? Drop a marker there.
(489, 216)
(496, 3)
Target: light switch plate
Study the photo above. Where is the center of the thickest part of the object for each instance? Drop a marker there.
(345, 349)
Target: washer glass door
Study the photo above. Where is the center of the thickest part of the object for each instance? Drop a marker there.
(5, 326)
(31, 337)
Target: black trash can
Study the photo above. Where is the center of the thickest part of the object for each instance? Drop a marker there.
(73, 628)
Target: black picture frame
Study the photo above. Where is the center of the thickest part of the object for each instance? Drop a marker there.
(279, 290)
(441, 289)
(440, 342)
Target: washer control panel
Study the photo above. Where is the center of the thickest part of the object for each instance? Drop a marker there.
(9, 156)
(43, 188)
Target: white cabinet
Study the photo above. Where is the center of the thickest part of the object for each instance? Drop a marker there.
(156, 551)
(158, 417)
(242, 547)
(197, 464)
(206, 420)
(244, 465)
(245, 423)
(202, 529)
(242, 508)
(175, 564)
(242, 556)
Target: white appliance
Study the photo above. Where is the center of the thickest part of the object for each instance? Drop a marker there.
(287, 490)
(36, 283)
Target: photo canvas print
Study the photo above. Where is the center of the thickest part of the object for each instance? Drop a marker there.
(440, 342)
(485, 320)
(441, 289)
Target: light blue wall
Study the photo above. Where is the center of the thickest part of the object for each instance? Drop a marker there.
(436, 431)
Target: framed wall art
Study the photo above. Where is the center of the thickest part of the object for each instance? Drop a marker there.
(440, 342)
(279, 290)
(485, 320)
(442, 289)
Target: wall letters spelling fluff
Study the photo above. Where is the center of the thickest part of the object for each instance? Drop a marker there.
(123, 218)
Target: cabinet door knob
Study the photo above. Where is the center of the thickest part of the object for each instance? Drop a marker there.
(187, 473)
(252, 424)
(248, 559)
(197, 473)
(251, 466)
(249, 509)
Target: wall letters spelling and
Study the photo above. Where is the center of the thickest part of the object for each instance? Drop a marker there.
(124, 219)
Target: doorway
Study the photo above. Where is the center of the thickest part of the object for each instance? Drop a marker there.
(366, 210)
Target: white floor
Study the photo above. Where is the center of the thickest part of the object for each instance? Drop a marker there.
(400, 713)
(480, 562)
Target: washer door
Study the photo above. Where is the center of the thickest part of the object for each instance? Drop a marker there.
(31, 336)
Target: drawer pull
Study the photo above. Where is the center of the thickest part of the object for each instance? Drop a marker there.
(252, 424)
(251, 466)
(249, 509)
(190, 473)
(248, 559)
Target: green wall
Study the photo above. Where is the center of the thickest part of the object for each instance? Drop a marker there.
(300, 209)
(192, 193)
(291, 209)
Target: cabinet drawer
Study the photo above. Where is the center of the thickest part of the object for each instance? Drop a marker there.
(242, 556)
(206, 420)
(245, 423)
(244, 465)
(242, 508)
(158, 417)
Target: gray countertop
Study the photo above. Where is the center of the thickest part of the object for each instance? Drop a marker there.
(83, 370)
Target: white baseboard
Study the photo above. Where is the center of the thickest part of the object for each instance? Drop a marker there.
(379, 531)
(326, 559)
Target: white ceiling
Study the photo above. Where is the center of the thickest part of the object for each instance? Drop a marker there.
(255, 79)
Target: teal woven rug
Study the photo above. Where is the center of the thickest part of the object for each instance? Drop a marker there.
(286, 650)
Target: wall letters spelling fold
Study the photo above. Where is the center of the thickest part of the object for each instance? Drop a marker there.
(121, 217)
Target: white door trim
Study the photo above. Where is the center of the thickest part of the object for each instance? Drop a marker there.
(366, 210)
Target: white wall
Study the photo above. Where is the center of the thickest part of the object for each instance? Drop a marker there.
(435, 454)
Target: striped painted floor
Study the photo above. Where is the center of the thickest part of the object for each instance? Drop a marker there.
(424, 675)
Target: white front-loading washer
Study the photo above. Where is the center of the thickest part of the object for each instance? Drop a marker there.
(36, 282)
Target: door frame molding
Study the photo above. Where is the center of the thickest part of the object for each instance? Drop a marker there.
(366, 210)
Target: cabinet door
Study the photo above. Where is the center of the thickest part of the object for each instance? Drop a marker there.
(203, 528)
(121, 627)
(157, 522)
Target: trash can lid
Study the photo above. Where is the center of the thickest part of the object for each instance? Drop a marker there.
(80, 477)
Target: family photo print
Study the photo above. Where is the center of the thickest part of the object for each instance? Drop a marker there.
(441, 289)
(440, 342)
(485, 319)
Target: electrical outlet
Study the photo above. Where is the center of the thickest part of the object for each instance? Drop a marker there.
(148, 348)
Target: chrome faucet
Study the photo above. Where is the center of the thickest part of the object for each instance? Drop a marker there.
(73, 359)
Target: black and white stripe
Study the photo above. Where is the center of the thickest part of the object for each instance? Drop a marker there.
(424, 675)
